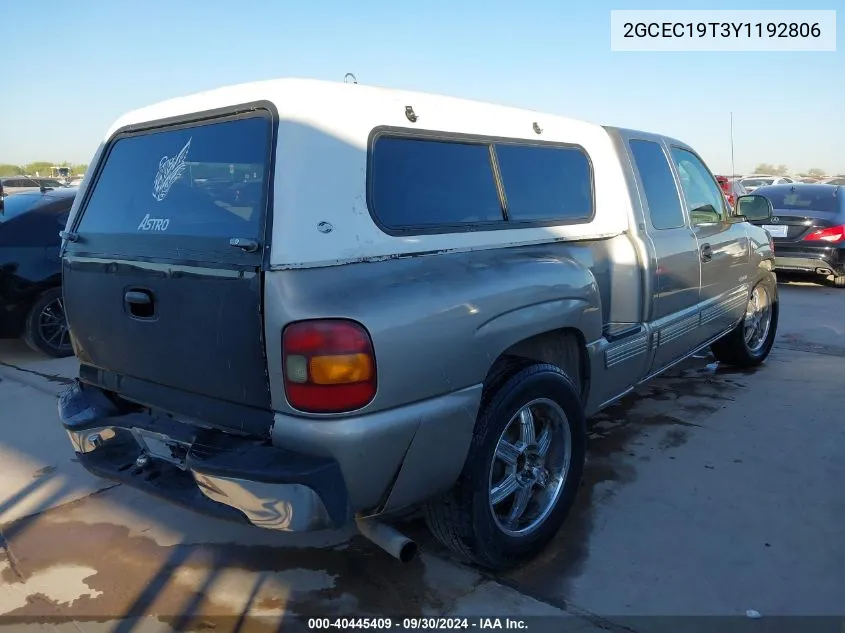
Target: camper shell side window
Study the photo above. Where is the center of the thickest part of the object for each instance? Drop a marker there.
(420, 183)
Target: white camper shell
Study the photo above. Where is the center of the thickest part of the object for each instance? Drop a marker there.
(324, 132)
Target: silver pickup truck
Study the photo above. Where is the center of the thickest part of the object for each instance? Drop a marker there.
(302, 304)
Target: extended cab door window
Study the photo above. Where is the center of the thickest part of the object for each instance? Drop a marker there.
(675, 278)
(661, 193)
(723, 246)
(704, 197)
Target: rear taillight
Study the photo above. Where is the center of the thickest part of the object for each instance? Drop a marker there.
(834, 234)
(329, 366)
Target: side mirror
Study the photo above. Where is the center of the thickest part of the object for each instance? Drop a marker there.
(754, 208)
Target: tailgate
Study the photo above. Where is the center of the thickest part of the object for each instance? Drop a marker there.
(163, 271)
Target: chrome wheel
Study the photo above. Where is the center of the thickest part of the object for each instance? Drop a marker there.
(758, 319)
(52, 326)
(530, 467)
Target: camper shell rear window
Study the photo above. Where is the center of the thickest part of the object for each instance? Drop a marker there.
(204, 180)
(437, 184)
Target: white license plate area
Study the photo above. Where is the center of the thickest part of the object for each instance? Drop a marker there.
(161, 447)
(776, 230)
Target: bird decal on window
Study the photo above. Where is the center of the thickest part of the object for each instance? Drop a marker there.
(170, 170)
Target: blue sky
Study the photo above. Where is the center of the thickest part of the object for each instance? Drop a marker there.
(72, 68)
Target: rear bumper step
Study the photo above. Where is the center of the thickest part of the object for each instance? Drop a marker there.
(209, 472)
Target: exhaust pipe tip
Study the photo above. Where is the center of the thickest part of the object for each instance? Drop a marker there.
(389, 539)
(408, 552)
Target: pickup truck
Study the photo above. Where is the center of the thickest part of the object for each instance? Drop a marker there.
(303, 304)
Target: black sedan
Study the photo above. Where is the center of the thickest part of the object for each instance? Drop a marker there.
(31, 303)
(808, 229)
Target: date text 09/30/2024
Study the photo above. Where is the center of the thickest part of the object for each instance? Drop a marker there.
(415, 624)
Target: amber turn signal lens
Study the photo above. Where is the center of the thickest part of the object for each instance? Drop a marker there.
(341, 369)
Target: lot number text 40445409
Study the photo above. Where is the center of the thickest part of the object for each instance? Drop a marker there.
(417, 624)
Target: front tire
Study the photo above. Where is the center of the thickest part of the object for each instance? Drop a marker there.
(521, 475)
(46, 329)
(751, 341)
(838, 281)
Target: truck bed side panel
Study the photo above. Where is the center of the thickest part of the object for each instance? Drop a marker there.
(445, 317)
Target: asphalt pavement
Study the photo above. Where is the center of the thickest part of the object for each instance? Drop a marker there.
(709, 492)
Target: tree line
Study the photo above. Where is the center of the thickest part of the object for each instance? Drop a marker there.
(783, 170)
(42, 167)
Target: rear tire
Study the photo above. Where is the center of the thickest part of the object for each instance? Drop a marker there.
(839, 281)
(46, 330)
(751, 341)
(538, 456)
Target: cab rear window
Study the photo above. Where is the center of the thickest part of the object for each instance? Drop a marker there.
(206, 180)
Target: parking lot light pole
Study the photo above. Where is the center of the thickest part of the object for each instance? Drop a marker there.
(733, 166)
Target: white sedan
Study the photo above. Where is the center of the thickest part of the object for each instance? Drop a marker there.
(752, 182)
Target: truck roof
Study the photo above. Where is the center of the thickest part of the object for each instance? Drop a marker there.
(296, 99)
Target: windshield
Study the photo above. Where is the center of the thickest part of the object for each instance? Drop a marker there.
(799, 200)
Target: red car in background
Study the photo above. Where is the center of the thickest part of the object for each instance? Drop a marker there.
(732, 188)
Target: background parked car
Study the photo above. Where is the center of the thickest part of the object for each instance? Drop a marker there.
(837, 180)
(808, 229)
(51, 183)
(752, 182)
(18, 184)
(31, 302)
(732, 188)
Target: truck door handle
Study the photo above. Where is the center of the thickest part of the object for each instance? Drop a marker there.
(706, 253)
(138, 297)
(245, 244)
(140, 303)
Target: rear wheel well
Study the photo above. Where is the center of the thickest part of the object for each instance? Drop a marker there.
(565, 348)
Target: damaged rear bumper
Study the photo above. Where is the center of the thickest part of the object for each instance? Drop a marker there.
(211, 472)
